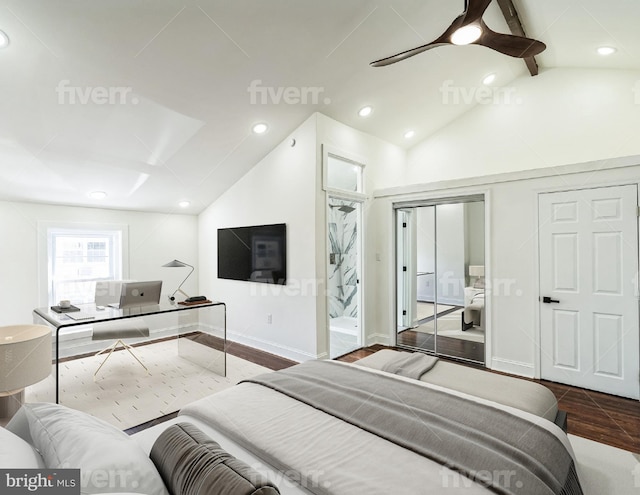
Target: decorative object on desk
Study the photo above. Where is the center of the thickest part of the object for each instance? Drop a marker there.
(70, 309)
(192, 301)
(179, 264)
(25, 359)
(64, 303)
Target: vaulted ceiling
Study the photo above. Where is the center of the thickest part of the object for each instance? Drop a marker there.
(153, 101)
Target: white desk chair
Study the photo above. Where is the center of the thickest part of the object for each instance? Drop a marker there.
(119, 330)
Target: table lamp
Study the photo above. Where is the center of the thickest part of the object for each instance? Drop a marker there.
(25, 359)
(179, 264)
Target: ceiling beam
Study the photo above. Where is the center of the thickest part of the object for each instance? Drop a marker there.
(511, 16)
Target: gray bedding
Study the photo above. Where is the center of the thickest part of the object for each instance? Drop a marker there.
(514, 392)
(474, 439)
(412, 365)
(328, 456)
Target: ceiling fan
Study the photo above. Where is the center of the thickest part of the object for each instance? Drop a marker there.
(469, 28)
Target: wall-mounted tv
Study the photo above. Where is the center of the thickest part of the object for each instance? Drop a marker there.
(255, 254)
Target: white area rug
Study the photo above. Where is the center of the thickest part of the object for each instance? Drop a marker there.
(605, 470)
(125, 395)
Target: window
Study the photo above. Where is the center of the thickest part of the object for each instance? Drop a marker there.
(342, 173)
(78, 257)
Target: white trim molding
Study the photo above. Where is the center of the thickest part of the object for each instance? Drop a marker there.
(512, 367)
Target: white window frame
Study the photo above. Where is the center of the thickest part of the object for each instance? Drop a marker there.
(47, 231)
(356, 161)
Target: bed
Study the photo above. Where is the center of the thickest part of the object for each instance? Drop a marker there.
(312, 421)
(328, 427)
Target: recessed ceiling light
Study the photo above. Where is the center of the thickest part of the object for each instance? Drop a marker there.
(488, 79)
(466, 35)
(97, 195)
(4, 40)
(607, 50)
(260, 128)
(409, 134)
(365, 111)
(184, 204)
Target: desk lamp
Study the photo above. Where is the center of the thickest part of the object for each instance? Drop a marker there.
(179, 264)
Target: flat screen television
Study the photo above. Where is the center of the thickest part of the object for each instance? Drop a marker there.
(254, 254)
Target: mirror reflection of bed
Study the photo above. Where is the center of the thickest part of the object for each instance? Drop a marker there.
(441, 284)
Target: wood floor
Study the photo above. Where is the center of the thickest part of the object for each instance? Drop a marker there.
(600, 417)
(448, 346)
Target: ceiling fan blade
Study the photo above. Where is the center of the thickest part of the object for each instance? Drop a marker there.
(441, 40)
(475, 10)
(405, 55)
(509, 44)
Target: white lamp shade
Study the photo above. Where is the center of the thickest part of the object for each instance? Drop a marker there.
(476, 270)
(25, 356)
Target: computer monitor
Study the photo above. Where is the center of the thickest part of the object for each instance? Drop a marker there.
(140, 294)
(108, 292)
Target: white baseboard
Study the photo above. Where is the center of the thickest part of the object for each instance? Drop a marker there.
(378, 338)
(513, 367)
(272, 347)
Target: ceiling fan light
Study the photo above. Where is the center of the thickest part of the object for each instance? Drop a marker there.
(466, 34)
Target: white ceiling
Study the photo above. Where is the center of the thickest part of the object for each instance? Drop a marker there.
(178, 124)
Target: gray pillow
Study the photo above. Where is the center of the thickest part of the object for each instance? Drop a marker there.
(190, 463)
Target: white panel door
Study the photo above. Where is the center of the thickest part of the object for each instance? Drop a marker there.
(589, 335)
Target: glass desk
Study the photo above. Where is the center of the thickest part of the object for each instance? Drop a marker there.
(199, 328)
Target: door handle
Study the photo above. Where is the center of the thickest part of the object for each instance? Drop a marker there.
(548, 300)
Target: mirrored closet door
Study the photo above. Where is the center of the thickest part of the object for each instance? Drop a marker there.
(440, 278)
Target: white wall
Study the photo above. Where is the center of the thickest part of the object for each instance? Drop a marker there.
(512, 258)
(279, 189)
(562, 116)
(154, 239)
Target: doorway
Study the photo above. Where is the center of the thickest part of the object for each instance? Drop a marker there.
(344, 297)
(588, 251)
(440, 277)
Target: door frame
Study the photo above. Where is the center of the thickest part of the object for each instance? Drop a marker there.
(537, 358)
(436, 198)
(353, 198)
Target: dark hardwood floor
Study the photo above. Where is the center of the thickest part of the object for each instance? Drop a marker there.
(448, 346)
